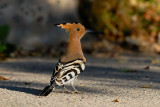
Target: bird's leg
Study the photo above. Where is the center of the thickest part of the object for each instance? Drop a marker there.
(75, 90)
(53, 89)
(67, 89)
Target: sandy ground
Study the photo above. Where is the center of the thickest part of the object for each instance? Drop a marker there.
(104, 80)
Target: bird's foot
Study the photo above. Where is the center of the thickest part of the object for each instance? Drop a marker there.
(77, 92)
(68, 91)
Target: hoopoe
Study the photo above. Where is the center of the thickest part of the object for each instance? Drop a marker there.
(72, 63)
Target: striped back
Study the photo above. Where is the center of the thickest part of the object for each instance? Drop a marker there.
(66, 72)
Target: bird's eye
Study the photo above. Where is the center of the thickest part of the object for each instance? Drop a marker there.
(78, 29)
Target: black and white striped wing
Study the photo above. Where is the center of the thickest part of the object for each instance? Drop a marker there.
(56, 71)
(69, 72)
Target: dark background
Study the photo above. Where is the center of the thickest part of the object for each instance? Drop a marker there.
(129, 26)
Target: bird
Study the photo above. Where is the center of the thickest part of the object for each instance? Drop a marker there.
(71, 64)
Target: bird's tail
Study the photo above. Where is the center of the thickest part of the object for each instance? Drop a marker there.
(48, 89)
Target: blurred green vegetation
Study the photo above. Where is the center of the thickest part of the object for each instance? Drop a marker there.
(126, 22)
(4, 31)
(5, 48)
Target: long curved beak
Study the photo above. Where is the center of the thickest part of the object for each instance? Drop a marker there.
(93, 31)
(88, 30)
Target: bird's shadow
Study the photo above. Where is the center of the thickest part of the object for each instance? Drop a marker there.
(22, 89)
(32, 91)
(92, 73)
(36, 92)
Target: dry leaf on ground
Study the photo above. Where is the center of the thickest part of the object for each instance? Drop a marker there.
(147, 67)
(116, 100)
(146, 86)
(3, 78)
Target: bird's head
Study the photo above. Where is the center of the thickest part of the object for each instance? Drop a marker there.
(76, 30)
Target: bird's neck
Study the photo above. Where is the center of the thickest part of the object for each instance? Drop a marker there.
(74, 50)
(74, 47)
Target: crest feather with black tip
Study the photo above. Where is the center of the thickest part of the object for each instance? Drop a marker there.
(67, 25)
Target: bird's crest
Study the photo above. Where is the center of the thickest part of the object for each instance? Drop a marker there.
(73, 28)
(67, 25)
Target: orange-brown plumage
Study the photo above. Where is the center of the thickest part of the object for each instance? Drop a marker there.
(74, 50)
